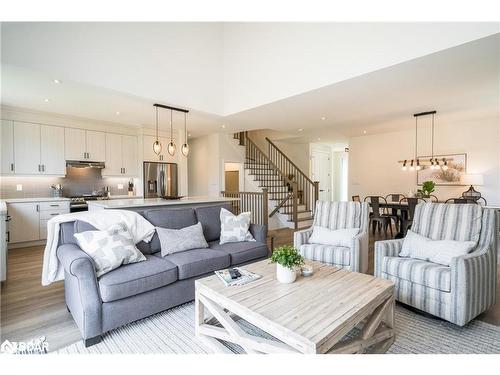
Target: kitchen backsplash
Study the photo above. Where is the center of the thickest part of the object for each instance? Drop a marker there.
(78, 181)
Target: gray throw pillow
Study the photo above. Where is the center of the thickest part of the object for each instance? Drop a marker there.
(109, 248)
(234, 228)
(176, 240)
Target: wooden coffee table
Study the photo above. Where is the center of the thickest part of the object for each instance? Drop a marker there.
(312, 315)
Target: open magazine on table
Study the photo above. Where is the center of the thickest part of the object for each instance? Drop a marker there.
(244, 278)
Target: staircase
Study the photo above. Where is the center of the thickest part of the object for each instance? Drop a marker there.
(291, 193)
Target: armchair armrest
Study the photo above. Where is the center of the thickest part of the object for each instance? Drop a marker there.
(359, 252)
(301, 237)
(473, 283)
(259, 232)
(81, 289)
(389, 248)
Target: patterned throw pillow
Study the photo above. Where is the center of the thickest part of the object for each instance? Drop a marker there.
(109, 248)
(234, 228)
(176, 240)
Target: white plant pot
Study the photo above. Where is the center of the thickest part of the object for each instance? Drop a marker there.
(285, 275)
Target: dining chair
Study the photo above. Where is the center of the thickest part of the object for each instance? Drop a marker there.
(395, 198)
(460, 201)
(433, 198)
(356, 198)
(407, 218)
(380, 216)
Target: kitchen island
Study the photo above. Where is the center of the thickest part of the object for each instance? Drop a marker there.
(146, 203)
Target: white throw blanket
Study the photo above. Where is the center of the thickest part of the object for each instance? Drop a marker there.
(139, 227)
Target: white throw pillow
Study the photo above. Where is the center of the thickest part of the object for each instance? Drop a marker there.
(234, 228)
(338, 237)
(109, 248)
(442, 251)
(176, 240)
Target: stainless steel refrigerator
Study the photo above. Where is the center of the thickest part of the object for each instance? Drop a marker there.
(160, 180)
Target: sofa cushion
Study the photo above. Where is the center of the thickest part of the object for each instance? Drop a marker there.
(137, 278)
(171, 218)
(420, 272)
(337, 255)
(209, 217)
(241, 252)
(196, 262)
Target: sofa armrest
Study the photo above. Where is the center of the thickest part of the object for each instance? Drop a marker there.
(359, 253)
(301, 237)
(81, 289)
(259, 232)
(389, 248)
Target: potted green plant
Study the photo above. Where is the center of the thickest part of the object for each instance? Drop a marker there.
(427, 189)
(287, 259)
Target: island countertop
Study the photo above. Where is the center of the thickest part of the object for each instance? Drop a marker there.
(153, 202)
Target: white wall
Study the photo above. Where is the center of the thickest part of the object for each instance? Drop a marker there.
(206, 163)
(373, 167)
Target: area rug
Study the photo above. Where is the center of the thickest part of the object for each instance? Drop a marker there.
(172, 332)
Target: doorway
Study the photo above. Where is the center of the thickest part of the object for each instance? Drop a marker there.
(321, 170)
(233, 176)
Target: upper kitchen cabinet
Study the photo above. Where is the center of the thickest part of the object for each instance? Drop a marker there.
(27, 148)
(96, 145)
(7, 144)
(85, 145)
(149, 154)
(38, 149)
(121, 155)
(52, 150)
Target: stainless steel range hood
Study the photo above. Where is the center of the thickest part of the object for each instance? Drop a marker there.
(84, 164)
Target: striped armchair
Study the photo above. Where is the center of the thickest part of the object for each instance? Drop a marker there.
(338, 215)
(457, 293)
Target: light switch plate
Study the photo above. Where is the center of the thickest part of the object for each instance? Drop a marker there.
(120, 186)
(19, 187)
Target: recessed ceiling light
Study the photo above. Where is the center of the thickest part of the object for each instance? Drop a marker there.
(117, 113)
(56, 81)
(364, 131)
(46, 100)
(189, 134)
(319, 139)
(223, 126)
(323, 118)
(301, 129)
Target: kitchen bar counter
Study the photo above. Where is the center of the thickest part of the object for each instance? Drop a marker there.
(153, 202)
(28, 200)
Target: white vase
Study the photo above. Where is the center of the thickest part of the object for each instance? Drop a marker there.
(285, 275)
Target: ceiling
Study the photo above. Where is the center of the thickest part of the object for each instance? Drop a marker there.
(451, 81)
(245, 75)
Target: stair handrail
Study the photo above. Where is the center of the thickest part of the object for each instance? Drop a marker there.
(293, 195)
(309, 188)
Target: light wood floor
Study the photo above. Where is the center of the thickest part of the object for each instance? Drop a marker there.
(29, 310)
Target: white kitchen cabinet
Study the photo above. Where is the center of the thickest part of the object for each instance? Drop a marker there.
(27, 148)
(7, 147)
(25, 222)
(129, 155)
(96, 145)
(121, 155)
(52, 150)
(74, 141)
(85, 145)
(164, 156)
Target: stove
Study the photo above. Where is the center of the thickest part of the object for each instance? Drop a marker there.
(79, 202)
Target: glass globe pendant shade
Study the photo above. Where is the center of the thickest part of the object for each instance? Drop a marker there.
(185, 149)
(171, 148)
(157, 147)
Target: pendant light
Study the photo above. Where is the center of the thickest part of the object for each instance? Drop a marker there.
(185, 146)
(171, 145)
(157, 143)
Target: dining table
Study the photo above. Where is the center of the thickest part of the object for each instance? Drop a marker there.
(394, 206)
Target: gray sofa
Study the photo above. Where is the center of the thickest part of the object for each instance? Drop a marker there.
(135, 291)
